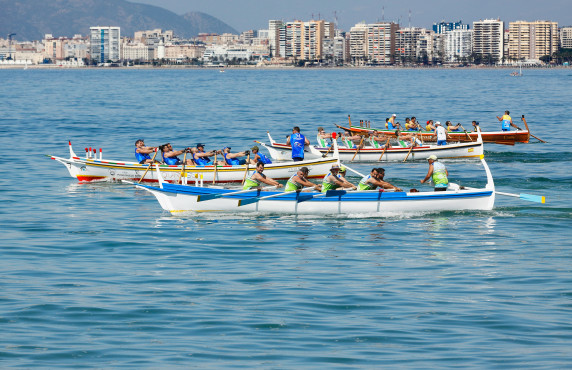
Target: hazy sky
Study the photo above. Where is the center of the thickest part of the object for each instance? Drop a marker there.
(254, 14)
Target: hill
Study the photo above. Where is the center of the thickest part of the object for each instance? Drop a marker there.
(32, 19)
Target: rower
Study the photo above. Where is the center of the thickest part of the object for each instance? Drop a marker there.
(475, 126)
(170, 156)
(438, 172)
(322, 137)
(200, 157)
(232, 158)
(257, 177)
(332, 180)
(450, 126)
(375, 180)
(391, 124)
(430, 126)
(300, 180)
(259, 157)
(142, 152)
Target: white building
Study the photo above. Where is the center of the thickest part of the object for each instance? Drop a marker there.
(488, 39)
(224, 53)
(458, 45)
(105, 44)
(134, 50)
(566, 37)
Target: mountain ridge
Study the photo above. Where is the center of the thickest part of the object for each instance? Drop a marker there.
(32, 19)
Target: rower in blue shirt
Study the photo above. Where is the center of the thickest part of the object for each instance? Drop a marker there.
(232, 158)
(297, 141)
(170, 156)
(259, 157)
(142, 152)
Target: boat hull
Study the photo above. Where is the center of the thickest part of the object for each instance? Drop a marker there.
(88, 170)
(497, 137)
(180, 199)
(393, 154)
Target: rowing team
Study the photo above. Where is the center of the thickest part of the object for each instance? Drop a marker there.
(198, 156)
(335, 179)
(411, 124)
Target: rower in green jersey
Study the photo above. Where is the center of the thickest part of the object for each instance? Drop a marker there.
(257, 178)
(332, 180)
(300, 180)
(375, 180)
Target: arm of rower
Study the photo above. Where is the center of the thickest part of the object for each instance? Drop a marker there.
(234, 155)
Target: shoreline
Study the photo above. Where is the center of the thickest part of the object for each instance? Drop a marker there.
(249, 67)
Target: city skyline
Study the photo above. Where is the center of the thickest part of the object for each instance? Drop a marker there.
(254, 14)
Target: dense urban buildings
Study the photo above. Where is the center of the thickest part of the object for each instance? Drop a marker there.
(303, 43)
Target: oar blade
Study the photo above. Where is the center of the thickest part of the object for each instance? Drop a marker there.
(244, 202)
(533, 198)
(304, 197)
(335, 193)
(203, 197)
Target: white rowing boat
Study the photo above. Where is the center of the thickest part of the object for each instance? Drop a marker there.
(373, 152)
(93, 168)
(179, 199)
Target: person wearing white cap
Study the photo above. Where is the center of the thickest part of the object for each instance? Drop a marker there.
(438, 172)
(391, 124)
(441, 134)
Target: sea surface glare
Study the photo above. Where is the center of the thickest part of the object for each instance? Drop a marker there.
(99, 276)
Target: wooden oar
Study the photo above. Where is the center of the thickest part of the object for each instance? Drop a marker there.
(183, 168)
(244, 202)
(358, 148)
(410, 149)
(203, 197)
(384, 149)
(524, 120)
(246, 171)
(215, 168)
(149, 166)
(467, 134)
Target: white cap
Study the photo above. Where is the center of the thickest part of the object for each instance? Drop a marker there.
(437, 123)
(394, 115)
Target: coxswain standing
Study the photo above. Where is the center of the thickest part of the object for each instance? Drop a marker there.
(506, 121)
(438, 172)
(297, 141)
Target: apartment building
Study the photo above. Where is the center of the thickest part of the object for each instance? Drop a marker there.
(566, 37)
(374, 43)
(304, 40)
(406, 40)
(458, 45)
(488, 39)
(105, 44)
(532, 40)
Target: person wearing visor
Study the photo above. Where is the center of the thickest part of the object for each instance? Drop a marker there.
(300, 180)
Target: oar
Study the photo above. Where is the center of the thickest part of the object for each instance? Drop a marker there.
(215, 168)
(149, 166)
(203, 197)
(536, 137)
(528, 197)
(384, 149)
(183, 168)
(354, 171)
(410, 149)
(246, 171)
(331, 146)
(244, 202)
(467, 134)
(357, 149)
(523, 196)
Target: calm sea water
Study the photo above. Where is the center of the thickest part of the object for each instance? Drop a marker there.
(97, 275)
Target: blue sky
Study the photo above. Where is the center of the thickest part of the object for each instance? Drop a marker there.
(254, 14)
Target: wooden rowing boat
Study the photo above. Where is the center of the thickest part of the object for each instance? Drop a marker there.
(97, 169)
(179, 199)
(283, 151)
(496, 137)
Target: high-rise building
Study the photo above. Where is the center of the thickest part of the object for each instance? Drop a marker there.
(304, 40)
(488, 40)
(104, 44)
(406, 41)
(566, 37)
(443, 26)
(373, 43)
(274, 27)
(532, 40)
(458, 45)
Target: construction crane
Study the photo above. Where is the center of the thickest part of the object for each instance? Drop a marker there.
(10, 45)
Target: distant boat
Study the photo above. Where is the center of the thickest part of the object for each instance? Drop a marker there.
(517, 73)
(221, 70)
